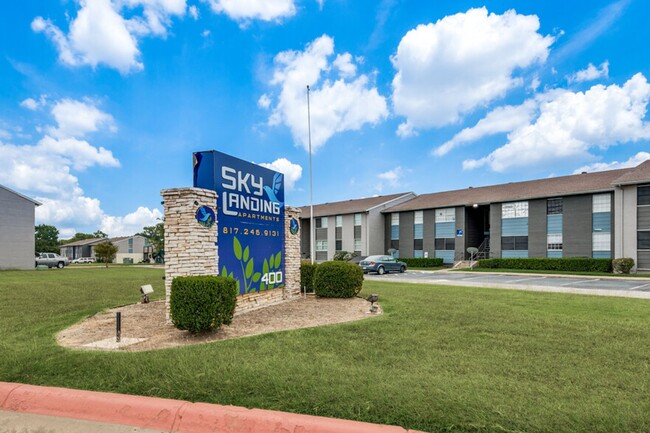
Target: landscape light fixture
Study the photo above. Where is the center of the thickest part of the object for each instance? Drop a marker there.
(145, 291)
(372, 299)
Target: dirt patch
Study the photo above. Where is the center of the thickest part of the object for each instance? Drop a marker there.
(147, 321)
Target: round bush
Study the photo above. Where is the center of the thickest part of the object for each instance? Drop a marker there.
(338, 280)
(202, 303)
(623, 266)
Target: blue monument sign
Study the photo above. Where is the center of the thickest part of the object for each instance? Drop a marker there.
(250, 218)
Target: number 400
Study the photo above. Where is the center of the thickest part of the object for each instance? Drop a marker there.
(272, 278)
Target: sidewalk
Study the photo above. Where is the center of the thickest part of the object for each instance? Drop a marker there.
(40, 409)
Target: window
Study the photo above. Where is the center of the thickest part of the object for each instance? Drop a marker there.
(321, 223)
(602, 203)
(394, 226)
(643, 240)
(357, 245)
(357, 219)
(517, 209)
(417, 244)
(418, 254)
(339, 221)
(447, 215)
(514, 243)
(601, 241)
(339, 245)
(554, 242)
(445, 244)
(321, 245)
(643, 195)
(554, 206)
(417, 225)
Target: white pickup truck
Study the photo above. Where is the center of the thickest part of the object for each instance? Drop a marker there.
(51, 260)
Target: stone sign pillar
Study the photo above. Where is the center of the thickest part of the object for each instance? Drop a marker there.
(292, 252)
(190, 245)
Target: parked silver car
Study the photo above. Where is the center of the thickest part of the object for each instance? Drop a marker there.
(382, 264)
(52, 260)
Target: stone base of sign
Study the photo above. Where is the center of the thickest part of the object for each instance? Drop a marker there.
(190, 249)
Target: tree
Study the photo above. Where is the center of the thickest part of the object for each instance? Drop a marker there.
(106, 251)
(47, 239)
(99, 234)
(156, 236)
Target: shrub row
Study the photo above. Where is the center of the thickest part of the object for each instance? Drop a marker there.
(546, 264)
(422, 262)
(334, 279)
(202, 303)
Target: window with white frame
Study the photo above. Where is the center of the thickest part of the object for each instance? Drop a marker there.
(357, 245)
(517, 209)
(447, 215)
(602, 203)
(321, 245)
(554, 242)
(601, 241)
(339, 221)
(321, 223)
(357, 219)
(394, 226)
(418, 217)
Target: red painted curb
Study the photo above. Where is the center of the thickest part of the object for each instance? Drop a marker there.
(170, 415)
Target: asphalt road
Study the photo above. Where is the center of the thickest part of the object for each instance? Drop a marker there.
(606, 286)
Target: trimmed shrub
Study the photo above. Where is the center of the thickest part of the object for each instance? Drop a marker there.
(345, 256)
(622, 266)
(202, 303)
(546, 264)
(307, 270)
(422, 262)
(338, 280)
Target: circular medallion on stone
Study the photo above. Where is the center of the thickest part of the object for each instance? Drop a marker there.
(205, 216)
(294, 226)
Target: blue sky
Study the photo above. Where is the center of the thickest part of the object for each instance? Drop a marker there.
(102, 102)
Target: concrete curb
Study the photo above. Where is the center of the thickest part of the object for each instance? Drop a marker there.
(170, 415)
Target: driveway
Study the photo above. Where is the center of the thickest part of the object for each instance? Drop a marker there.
(630, 287)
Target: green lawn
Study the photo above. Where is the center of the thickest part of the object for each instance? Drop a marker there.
(441, 358)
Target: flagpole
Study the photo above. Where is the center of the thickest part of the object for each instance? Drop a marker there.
(312, 229)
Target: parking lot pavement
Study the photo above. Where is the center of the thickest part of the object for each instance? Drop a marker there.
(602, 286)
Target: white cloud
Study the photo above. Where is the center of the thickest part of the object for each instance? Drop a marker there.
(45, 170)
(340, 99)
(194, 12)
(292, 172)
(264, 101)
(391, 178)
(79, 153)
(502, 119)
(77, 118)
(570, 125)
(100, 35)
(463, 61)
(602, 166)
(590, 73)
(33, 104)
(244, 10)
(131, 223)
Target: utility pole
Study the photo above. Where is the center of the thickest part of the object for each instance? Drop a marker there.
(312, 229)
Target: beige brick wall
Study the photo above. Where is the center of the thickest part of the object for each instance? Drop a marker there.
(190, 248)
